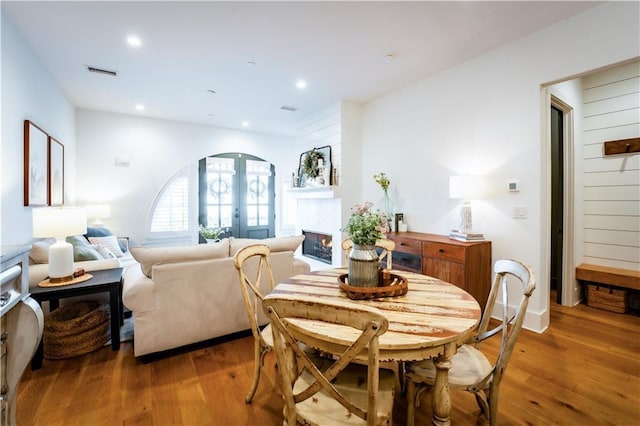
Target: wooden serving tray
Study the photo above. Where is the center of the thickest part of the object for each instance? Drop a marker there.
(395, 286)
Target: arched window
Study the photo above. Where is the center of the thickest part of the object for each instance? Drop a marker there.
(170, 212)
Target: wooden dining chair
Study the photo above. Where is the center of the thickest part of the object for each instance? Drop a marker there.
(386, 245)
(252, 296)
(330, 391)
(470, 368)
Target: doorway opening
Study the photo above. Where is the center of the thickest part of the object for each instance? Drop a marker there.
(561, 196)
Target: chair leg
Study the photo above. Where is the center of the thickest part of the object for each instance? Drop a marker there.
(493, 406)
(258, 356)
(481, 399)
(411, 402)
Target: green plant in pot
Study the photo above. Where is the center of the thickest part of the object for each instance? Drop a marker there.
(364, 228)
(210, 233)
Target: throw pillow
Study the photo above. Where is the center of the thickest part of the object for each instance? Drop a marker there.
(40, 250)
(82, 249)
(149, 256)
(93, 231)
(110, 242)
(275, 244)
(104, 251)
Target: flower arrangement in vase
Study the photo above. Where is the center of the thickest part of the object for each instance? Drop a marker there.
(364, 228)
(386, 205)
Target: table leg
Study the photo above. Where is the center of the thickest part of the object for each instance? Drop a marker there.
(114, 302)
(441, 397)
(53, 304)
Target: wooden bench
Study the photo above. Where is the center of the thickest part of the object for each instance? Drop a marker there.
(606, 275)
(595, 276)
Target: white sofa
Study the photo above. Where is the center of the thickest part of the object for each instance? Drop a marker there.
(184, 295)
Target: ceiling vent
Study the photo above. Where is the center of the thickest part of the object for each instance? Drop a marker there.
(102, 71)
(289, 108)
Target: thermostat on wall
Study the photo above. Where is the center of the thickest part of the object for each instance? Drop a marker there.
(513, 186)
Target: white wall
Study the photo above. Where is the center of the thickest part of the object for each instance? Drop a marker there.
(484, 117)
(156, 150)
(28, 93)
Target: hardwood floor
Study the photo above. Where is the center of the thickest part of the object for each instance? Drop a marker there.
(584, 370)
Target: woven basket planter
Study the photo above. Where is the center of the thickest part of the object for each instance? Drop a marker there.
(76, 329)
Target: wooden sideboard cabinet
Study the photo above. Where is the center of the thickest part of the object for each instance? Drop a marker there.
(465, 264)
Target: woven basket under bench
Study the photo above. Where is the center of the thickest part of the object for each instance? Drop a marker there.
(607, 298)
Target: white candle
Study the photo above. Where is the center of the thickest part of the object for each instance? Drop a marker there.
(320, 163)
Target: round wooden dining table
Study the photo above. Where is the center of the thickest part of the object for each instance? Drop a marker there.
(431, 320)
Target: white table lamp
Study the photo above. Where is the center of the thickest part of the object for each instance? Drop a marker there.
(465, 188)
(59, 222)
(98, 212)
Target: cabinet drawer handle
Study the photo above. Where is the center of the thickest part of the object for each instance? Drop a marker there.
(440, 250)
(402, 244)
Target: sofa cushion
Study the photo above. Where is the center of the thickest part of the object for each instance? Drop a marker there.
(40, 250)
(103, 232)
(82, 249)
(149, 256)
(275, 244)
(110, 242)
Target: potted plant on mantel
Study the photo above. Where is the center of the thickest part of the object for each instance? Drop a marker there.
(211, 234)
(364, 228)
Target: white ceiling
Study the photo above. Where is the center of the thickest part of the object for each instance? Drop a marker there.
(189, 48)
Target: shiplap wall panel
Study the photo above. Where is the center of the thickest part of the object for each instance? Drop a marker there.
(613, 223)
(613, 89)
(613, 208)
(618, 103)
(614, 119)
(631, 177)
(621, 163)
(612, 252)
(611, 193)
(622, 72)
(321, 129)
(621, 238)
(597, 137)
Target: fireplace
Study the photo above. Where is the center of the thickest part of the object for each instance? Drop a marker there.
(317, 246)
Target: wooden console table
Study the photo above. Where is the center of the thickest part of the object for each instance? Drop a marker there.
(465, 264)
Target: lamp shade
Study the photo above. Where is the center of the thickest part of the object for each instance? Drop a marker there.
(59, 222)
(465, 187)
(99, 211)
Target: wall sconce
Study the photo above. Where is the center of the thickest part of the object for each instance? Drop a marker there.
(59, 222)
(466, 188)
(98, 212)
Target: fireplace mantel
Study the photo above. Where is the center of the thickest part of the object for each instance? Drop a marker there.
(315, 192)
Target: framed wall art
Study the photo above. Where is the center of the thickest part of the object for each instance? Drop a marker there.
(314, 169)
(56, 172)
(36, 171)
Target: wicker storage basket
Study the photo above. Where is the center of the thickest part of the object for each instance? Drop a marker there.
(607, 298)
(76, 329)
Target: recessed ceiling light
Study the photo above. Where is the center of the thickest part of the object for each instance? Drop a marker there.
(212, 92)
(387, 58)
(251, 63)
(140, 107)
(210, 114)
(245, 124)
(301, 84)
(134, 41)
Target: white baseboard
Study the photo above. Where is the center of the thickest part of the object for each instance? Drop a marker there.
(534, 321)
